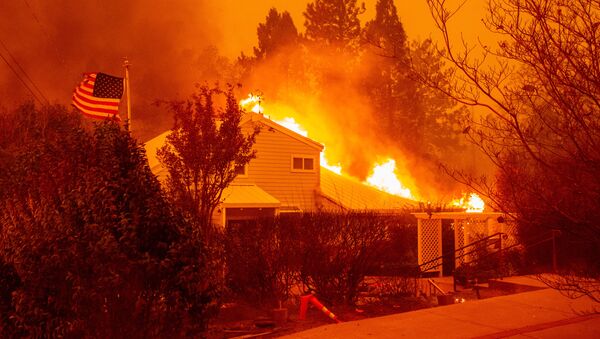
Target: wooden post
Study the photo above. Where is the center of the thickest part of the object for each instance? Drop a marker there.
(554, 266)
(128, 122)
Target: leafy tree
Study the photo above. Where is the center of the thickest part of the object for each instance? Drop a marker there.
(334, 23)
(202, 152)
(276, 33)
(89, 245)
(539, 92)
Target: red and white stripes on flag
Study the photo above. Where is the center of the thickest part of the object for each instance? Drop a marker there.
(98, 96)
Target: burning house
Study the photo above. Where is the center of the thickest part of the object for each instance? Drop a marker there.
(290, 175)
(287, 176)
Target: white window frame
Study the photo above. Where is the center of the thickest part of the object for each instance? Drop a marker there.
(303, 156)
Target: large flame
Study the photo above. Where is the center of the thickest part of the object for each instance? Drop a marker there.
(291, 124)
(472, 203)
(383, 175)
(384, 178)
(253, 101)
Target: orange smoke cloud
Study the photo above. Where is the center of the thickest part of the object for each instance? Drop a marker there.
(339, 117)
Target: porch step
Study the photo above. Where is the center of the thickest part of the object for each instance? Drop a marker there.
(517, 284)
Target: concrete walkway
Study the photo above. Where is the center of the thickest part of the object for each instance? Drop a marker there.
(539, 314)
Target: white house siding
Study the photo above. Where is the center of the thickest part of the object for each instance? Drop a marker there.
(271, 170)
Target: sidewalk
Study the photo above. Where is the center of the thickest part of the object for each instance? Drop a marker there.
(539, 314)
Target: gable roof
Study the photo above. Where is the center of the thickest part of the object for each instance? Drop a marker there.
(151, 146)
(342, 191)
(255, 117)
(352, 194)
(158, 141)
(248, 196)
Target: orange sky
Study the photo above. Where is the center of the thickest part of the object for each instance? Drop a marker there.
(413, 14)
(167, 42)
(56, 43)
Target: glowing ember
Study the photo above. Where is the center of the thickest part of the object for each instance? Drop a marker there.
(384, 178)
(471, 202)
(252, 101)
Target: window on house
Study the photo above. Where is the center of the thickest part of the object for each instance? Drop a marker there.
(241, 171)
(298, 164)
(309, 164)
(303, 163)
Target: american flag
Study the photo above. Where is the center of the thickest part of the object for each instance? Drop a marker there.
(98, 95)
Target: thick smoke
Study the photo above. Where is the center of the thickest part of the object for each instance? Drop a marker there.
(321, 90)
(56, 41)
(171, 47)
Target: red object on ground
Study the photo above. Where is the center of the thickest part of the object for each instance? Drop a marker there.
(304, 300)
(304, 306)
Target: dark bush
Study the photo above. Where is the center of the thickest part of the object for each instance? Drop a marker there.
(400, 247)
(90, 247)
(328, 253)
(262, 259)
(338, 249)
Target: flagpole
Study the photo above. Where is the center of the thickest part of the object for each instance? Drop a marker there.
(128, 122)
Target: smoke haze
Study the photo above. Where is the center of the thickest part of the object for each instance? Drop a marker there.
(172, 45)
(165, 41)
(56, 41)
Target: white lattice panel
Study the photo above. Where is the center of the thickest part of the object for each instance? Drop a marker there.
(495, 227)
(468, 228)
(466, 232)
(430, 242)
(510, 229)
(476, 229)
(459, 242)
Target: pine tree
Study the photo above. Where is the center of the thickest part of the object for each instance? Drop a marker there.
(277, 32)
(334, 23)
(386, 82)
(427, 119)
(385, 31)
